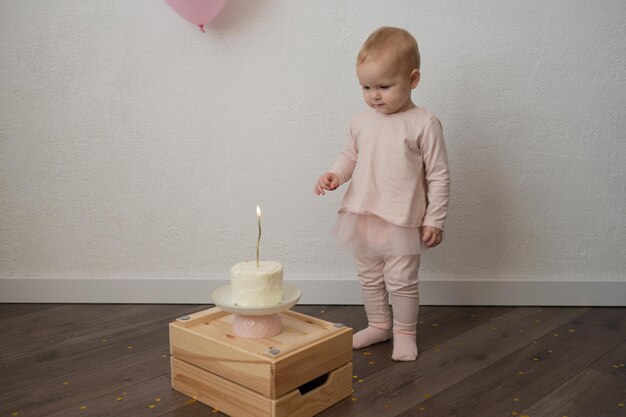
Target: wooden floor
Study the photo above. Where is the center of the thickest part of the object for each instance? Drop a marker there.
(113, 360)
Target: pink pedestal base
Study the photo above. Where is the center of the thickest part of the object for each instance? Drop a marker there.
(257, 327)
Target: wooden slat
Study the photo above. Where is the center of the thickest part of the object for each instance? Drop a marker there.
(230, 361)
(308, 347)
(311, 361)
(336, 388)
(222, 394)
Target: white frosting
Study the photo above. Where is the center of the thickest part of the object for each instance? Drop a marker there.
(256, 286)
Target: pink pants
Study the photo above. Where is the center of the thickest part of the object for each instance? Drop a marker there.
(395, 279)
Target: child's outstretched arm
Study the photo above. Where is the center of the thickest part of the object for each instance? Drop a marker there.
(328, 181)
(342, 170)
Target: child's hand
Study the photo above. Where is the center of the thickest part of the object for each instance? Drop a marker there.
(431, 236)
(327, 181)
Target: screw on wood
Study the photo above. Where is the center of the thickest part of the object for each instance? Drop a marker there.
(338, 325)
(274, 351)
(184, 317)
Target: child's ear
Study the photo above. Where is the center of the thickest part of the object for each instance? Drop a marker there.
(415, 78)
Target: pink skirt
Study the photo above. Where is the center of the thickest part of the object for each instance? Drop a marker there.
(369, 235)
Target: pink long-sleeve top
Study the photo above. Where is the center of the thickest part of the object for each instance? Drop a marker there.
(398, 166)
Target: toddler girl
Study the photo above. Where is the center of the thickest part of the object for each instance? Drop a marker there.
(396, 159)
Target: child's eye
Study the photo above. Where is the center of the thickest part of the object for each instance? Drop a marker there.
(384, 87)
(365, 87)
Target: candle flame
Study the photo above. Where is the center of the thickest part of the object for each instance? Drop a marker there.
(258, 211)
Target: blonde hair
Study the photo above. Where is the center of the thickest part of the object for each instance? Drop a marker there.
(394, 43)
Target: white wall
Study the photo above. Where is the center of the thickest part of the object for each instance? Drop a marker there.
(134, 148)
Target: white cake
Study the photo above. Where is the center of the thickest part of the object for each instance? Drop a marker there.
(256, 286)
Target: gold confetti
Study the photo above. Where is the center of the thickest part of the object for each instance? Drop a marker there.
(66, 382)
(103, 340)
(360, 380)
(321, 311)
(371, 362)
(513, 413)
(353, 399)
(191, 401)
(535, 342)
(550, 351)
(620, 404)
(524, 415)
(386, 405)
(83, 407)
(422, 409)
(427, 396)
(535, 359)
(555, 334)
(572, 330)
(520, 372)
(537, 321)
(516, 399)
(521, 331)
(493, 328)
(164, 356)
(15, 413)
(435, 325)
(215, 410)
(354, 376)
(621, 364)
(157, 399)
(151, 406)
(130, 347)
(120, 398)
(367, 353)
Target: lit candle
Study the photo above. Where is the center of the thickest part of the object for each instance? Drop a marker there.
(258, 241)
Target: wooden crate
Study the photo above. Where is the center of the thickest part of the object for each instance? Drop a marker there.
(298, 373)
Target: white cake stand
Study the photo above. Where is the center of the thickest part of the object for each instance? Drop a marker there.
(258, 322)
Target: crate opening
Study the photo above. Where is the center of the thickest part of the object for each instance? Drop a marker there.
(313, 384)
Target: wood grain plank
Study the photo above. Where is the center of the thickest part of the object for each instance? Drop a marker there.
(144, 399)
(64, 362)
(406, 385)
(472, 356)
(75, 323)
(433, 329)
(589, 394)
(519, 380)
(9, 311)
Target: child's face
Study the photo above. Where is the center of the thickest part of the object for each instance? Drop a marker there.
(386, 88)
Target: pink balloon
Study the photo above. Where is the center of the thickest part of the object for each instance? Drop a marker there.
(199, 12)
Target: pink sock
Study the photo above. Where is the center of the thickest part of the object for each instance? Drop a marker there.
(404, 342)
(371, 335)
